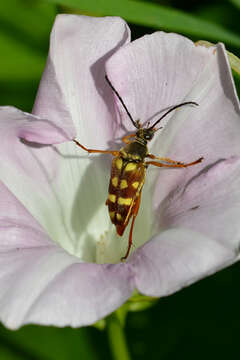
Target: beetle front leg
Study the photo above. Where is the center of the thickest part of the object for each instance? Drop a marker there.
(112, 152)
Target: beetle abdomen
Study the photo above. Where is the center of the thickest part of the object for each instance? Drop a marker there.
(127, 179)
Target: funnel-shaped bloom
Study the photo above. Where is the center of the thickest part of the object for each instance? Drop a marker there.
(59, 253)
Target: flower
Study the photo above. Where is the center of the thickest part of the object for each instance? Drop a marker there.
(59, 254)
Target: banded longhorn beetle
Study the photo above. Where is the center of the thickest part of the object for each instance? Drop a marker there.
(129, 170)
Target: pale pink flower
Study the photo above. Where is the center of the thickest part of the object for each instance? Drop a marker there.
(59, 253)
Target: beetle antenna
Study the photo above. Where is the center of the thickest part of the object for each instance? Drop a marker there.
(173, 108)
(122, 102)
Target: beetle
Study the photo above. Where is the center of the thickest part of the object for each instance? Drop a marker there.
(129, 167)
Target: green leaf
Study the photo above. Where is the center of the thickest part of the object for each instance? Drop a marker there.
(236, 3)
(28, 22)
(156, 16)
(48, 343)
(20, 71)
(18, 61)
(24, 40)
(9, 354)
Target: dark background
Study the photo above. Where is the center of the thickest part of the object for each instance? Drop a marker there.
(199, 322)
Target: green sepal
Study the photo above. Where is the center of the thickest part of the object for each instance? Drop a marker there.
(100, 324)
(137, 302)
(140, 302)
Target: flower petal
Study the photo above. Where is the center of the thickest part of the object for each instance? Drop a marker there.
(211, 130)
(28, 169)
(176, 258)
(202, 219)
(209, 203)
(19, 124)
(73, 87)
(159, 71)
(41, 283)
(83, 294)
(22, 135)
(15, 222)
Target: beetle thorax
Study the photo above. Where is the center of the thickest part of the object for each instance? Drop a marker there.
(135, 151)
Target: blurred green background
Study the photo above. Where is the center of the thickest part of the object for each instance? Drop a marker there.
(201, 321)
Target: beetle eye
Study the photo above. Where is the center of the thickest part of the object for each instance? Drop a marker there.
(147, 136)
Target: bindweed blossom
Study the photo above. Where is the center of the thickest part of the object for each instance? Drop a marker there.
(59, 253)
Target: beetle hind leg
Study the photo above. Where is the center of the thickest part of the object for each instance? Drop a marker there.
(174, 164)
(135, 212)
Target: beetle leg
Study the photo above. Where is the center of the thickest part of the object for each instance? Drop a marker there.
(112, 152)
(151, 156)
(126, 138)
(175, 164)
(135, 212)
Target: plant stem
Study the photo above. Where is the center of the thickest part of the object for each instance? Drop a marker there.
(116, 338)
